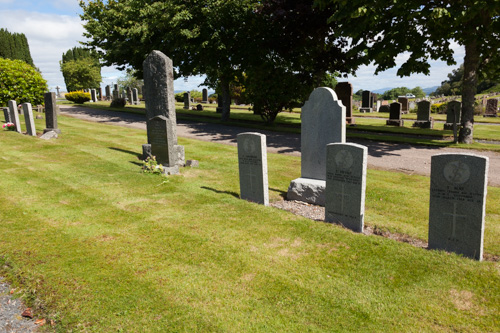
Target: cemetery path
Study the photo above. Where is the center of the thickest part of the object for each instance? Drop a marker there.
(399, 157)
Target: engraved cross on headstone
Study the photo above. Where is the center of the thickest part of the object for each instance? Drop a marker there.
(454, 221)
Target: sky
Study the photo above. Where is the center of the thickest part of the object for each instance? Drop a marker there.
(53, 26)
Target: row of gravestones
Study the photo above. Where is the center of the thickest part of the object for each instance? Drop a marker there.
(11, 115)
(131, 95)
(334, 175)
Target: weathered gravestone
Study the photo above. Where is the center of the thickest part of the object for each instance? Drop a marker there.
(323, 122)
(160, 137)
(93, 95)
(130, 98)
(385, 108)
(101, 97)
(346, 184)
(404, 104)
(50, 113)
(453, 114)
(115, 94)
(344, 94)
(14, 115)
(135, 96)
(108, 92)
(6, 115)
(252, 161)
(424, 119)
(159, 96)
(204, 96)
(395, 115)
(491, 108)
(366, 101)
(187, 100)
(28, 119)
(458, 203)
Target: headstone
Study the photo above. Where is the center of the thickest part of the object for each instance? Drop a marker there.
(344, 94)
(57, 89)
(160, 136)
(346, 184)
(93, 95)
(159, 95)
(252, 161)
(424, 119)
(135, 96)
(101, 97)
(204, 96)
(453, 113)
(366, 105)
(458, 203)
(404, 104)
(107, 89)
(385, 108)
(28, 119)
(385, 102)
(323, 122)
(116, 87)
(6, 115)
(115, 94)
(491, 108)
(187, 100)
(14, 115)
(130, 98)
(378, 105)
(50, 113)
(395, 115)
(199, 107)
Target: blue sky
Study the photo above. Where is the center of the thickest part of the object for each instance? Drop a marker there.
(53, 26)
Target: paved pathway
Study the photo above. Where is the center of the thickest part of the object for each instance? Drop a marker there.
(382, 155)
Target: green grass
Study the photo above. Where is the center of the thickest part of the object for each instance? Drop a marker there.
(100, 247)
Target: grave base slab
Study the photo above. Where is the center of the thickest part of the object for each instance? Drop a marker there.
(391, 122)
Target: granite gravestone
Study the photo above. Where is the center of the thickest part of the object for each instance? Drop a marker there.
(453, 114)
(424, 119)
(404, 104)
(160, 137)
(101, 97)
(346, 184)
(130, 98)
(458, 203)
(187, 100)
(93, 95)
(28, 119)
(204, 96)
(135, 96)
(50, 113)
(344, 94)
(6, 115)
(491, 108)
(323, 122)
(108, 92)
(395, 115)
(159, 96)
(366, 105)
(252, 161)
(14, 115)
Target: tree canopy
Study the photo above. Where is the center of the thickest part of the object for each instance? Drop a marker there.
(15, 46)
(81, 69)
(453, 86)
(21, 82)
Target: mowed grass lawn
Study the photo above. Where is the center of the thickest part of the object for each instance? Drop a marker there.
(97, 246)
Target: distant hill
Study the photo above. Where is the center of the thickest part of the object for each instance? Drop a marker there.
(430, 90)
(381, 90)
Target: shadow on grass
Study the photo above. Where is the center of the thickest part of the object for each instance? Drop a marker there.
(281, 193)
(234, 194)
(126, 151)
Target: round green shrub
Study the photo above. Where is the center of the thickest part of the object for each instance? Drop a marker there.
(20, 82)
(79, 97)
(118, 103)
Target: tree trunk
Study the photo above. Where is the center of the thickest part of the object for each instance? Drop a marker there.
(226, 99)
(469, 88)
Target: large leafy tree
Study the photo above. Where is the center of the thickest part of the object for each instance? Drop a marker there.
(81, 69)
(20, 82)
(383, 29)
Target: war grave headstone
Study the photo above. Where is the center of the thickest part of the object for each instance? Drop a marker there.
(107, 89)
(93, 95)
(395, 115)
(491, 108)
(384, 108)
(424, 119)
(323, 122)
(28, 119)
(346, 184)
(187, 100)
(204, 96)
(344, 94)
(453, 115)
(404, 104)
(50, 113)
(159, 96)
(14, 115)
(252, 162)
(366, 99)
(6, 115)
(458, 203)
(135, 96)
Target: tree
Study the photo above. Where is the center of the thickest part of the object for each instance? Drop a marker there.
(130, 80)
(14, 46)
(20, 82)
(81, 69)
(383, 29)
(453, 86)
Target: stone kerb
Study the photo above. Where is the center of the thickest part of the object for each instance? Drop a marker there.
(28, 119)
(458, 203)
(14, 115)
(252, 165)
(346, 185)
(323, 122)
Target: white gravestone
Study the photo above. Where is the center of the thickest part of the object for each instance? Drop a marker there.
(28, 119)
(14, 115)
(346, 185)
(458, 203)
(252, 161)
(323, 122)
